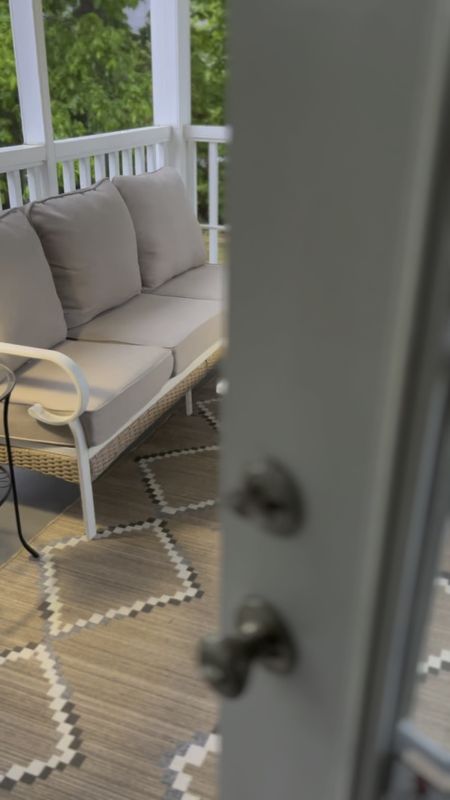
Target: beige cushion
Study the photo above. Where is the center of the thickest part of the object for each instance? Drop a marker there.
(122, 380)
(169, 237)
(30, 311)
(187, 327)
(204, 283)
(89, 240)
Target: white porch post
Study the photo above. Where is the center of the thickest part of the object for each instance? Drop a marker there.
(27, 25)
(171, 70)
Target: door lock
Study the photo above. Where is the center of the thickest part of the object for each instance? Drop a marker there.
(261, 636)
(269, 495)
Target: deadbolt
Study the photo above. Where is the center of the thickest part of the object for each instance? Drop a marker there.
(261, 636)
(269, 495)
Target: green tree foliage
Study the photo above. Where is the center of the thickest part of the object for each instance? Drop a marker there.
(209, 71)
(10, 127)
(99, 69)
(209, 61)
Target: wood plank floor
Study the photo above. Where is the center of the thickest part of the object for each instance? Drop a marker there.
(99, 687)
(41, 499)
(431, 707)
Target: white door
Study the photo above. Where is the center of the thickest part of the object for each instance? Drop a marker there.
(338, 301)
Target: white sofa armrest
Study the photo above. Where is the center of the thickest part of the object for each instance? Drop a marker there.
(69, 366)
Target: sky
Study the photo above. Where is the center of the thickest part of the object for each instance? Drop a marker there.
(137, 16)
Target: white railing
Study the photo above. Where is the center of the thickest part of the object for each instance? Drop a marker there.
(88, 159)
(78, 163)
(82, 161)
(215, 137)
(22, 167)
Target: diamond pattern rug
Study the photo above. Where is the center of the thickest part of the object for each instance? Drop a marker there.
(431, 707)
(100, 693)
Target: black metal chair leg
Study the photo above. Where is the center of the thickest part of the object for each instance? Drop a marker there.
(25, 544)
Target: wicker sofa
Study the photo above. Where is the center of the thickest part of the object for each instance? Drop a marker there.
(108, 315)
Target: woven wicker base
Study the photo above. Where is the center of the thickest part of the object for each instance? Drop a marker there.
(41, 461)
(66, 467)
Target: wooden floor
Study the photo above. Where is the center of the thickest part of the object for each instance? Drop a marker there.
(100, 693)
(41, 499)
(431, 709)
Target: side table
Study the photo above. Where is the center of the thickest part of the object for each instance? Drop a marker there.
(7, 476)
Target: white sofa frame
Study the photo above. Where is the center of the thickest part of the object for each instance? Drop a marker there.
(81, 452)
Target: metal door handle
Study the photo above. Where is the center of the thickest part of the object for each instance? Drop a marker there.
(261, 636)
(268, 494)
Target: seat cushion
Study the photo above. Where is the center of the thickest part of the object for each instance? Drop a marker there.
(169, 237)
(89, 240)
(187, 327)
(122, 380)
(204, 283)
(30, 310)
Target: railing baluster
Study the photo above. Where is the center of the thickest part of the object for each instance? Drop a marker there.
(160, 155)
(139, 160)
(34, 182)
(85, 173)
(14, 188)
(99, 167)
(213, 201)
(127, 162)
(151, 164)
(68, 176)
(193, 175)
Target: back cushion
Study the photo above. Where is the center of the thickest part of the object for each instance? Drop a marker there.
(169, 237)
(30, 310)
(90, 243)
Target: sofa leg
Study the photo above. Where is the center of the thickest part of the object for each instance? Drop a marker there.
(84, 469)
(189, 404)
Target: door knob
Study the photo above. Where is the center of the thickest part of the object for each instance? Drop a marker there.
(268, 494)
(261, 636)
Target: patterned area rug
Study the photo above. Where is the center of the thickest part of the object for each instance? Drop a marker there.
(432, 696)
(100, 694)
